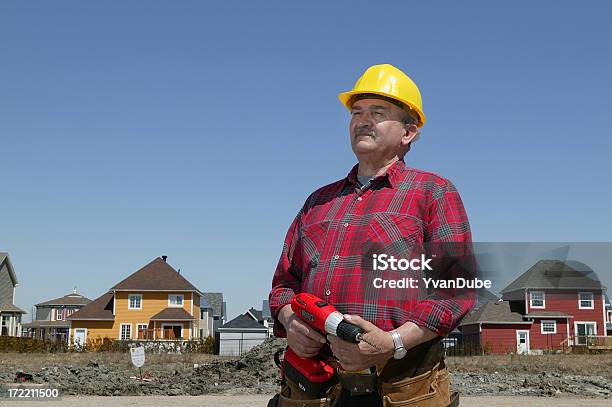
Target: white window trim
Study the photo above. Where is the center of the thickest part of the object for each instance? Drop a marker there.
(592, 300)
(58, 312)
(121, 331)
(129, 302)
(175, 305)
(531, 300)
(542, 331)
(74, 334)
(576, 323)
(138, 325)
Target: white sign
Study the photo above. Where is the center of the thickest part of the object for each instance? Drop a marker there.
(138, 356)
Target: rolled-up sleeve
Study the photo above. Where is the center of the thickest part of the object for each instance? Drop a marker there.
(447, 224)
(287, 280)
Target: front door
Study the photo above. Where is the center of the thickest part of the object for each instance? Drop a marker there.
(583, 331)
(80, 337)
(522, 342)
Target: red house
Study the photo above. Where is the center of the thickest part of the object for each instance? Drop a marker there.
(551, 306)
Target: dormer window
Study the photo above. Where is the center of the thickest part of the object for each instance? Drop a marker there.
(585, 301)
(175, 300)
(537, 299)
(59, 314)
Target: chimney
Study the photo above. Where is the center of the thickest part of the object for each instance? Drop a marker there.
(164, 258)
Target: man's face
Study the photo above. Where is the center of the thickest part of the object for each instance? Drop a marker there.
(376, 128)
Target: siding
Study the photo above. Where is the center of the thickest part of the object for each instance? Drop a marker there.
(43, 314)
(501, 338)
(6, 286)
(537, 340)
(567, 301)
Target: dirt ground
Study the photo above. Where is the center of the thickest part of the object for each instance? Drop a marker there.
(556, 377)
(261, 400)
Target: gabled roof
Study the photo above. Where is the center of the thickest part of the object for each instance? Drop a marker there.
(99, 309)
(172, 314)
(4, 259)
(496, 312)
(243, 321)
(215, 300)
(68, 299)
(256, 314)
(11, 308)
(556, 274)
(155, 276)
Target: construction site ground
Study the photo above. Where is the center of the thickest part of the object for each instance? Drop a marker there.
(511, 380)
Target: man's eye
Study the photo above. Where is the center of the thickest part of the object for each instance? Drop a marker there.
(379, 114)
(355, 113)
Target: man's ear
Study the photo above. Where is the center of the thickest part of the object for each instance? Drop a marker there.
(411, 131)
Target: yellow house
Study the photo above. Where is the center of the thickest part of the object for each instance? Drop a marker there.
(154, 303)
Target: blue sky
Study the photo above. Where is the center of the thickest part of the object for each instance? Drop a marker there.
(132, 129)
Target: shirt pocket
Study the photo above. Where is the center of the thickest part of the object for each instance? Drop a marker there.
(394, 234)
(313, 243)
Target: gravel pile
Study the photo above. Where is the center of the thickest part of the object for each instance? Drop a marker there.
(256, 373)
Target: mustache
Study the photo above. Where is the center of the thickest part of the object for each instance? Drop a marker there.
(364, 131)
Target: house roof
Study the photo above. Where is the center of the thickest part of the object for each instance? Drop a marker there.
(215, 300)
(4, 259)
(493, 312)
(68, 299)
(156, 276)
(99, 309)
(556, 274)
(46, 324)
(173, 314)
(550, 314)
(256, 313)
(243, 321)
(11, 308)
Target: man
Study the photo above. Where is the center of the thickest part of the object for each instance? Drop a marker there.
(381, 205)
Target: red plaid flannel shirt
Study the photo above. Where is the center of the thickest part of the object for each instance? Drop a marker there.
(324, 247)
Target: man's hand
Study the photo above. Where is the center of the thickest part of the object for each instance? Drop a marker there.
(304, 340)
(358, 356)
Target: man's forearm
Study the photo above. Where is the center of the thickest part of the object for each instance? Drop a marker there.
(413, 334)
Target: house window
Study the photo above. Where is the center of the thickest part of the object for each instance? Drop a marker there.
(585, 301)
(141, 331)
(536, 299)
(126, 331)
(135, 301)
(175, 300)
(59, 314)
(548, 327)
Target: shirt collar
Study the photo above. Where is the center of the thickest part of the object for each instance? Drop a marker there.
(392, 174)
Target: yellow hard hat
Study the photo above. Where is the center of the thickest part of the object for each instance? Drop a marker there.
(387, 80)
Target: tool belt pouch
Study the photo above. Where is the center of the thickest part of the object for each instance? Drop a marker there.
(359, 384)
(420, 379)
(292, 396)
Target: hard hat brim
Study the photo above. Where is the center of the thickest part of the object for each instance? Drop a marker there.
(345, 98)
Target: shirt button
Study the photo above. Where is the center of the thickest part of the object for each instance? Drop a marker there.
(359, 199)
(336, 257)
(328, 292)
(346, 224)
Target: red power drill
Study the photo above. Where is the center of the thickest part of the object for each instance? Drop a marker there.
(315, 375)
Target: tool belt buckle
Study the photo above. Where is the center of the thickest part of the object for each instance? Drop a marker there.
(359, 384)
